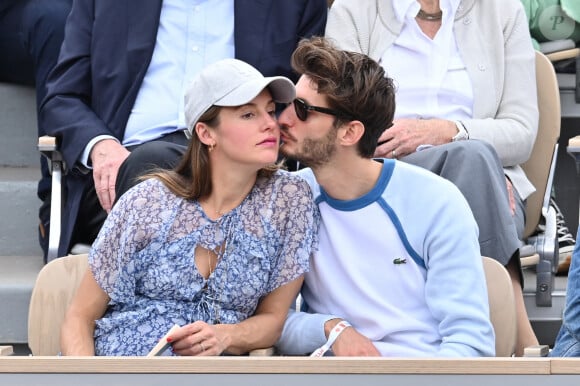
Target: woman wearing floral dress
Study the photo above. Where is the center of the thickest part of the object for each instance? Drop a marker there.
(217, 246)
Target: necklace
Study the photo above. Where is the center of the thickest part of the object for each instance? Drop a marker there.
(430, 16)
(218, 213)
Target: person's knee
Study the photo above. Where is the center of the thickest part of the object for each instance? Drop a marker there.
(145, 158)
(476, 155)
(466, 151)
(156, 154)
(566, 345)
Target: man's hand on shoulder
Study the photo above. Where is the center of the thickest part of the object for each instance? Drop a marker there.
(106, 157)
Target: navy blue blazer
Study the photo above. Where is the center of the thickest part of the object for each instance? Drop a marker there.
(106, 52)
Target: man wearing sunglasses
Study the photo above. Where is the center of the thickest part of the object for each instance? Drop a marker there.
(398, 271)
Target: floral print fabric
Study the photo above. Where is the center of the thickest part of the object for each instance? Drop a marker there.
(143, 259)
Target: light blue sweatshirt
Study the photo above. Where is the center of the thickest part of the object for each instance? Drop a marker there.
(402, 265)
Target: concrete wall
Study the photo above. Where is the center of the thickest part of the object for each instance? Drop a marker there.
(19, 172)
(20, 254)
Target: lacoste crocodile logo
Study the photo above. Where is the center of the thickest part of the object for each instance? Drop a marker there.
(399, 260)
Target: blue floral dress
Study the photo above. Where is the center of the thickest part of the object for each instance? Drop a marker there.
(143, 258)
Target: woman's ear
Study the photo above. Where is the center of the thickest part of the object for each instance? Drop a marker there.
(204, 133)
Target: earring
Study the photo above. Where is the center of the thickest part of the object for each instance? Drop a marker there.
(210, 147)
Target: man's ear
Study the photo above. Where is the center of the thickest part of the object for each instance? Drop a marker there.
(350, 133)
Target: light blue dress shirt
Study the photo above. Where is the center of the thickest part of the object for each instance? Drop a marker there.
(192, 34)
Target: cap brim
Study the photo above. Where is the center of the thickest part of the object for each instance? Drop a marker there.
(282, 90)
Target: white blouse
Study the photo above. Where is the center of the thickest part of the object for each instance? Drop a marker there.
(431, 77)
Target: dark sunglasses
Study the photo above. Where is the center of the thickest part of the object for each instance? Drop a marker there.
(302, 108)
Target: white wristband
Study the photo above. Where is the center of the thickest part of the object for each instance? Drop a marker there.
(334, 333)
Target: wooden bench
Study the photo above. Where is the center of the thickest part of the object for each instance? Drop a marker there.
(242, 371)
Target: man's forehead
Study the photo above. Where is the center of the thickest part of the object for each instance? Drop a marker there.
(307, 88)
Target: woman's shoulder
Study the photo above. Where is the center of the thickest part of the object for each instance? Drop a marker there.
(283, 184)
(282, 197)
(146, 191)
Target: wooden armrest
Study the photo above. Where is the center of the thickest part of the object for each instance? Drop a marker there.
(574, 141)
(564, 54)
(263, 352)
(540, 350)
(46, 143)
(6, 350)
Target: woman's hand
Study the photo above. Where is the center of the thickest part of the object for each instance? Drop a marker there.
(260, 330)
(198, 338)
(406, 135)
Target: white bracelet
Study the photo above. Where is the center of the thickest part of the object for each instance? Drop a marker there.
(334, 333)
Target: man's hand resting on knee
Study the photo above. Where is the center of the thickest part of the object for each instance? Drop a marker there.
(106, 157)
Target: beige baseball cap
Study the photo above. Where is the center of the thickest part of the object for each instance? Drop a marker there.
(231, 82)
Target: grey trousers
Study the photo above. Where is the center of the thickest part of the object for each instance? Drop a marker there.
(474, 167)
